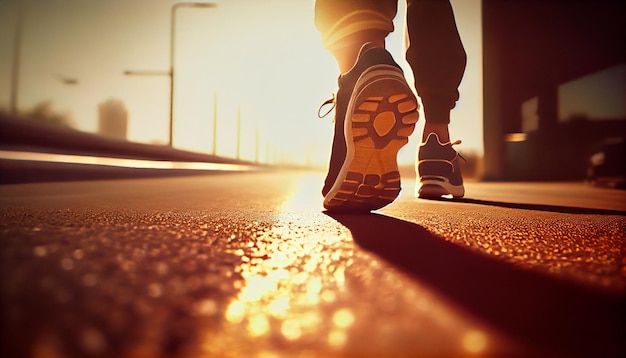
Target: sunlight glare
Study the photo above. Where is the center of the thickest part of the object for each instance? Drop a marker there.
(279, 306)
(256, 287)
(313, 289)
(235, 312)
(288, 291)
(258, 325)
(291, 329)
(220, 52)
(474, 341)
(343, 318)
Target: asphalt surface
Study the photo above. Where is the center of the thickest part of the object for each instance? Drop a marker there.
(249, 265)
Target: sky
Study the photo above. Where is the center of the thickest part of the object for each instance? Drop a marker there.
(601, 95)
(261, 59)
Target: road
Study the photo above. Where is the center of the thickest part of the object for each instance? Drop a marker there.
(249, 265)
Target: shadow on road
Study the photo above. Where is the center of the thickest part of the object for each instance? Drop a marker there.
(542, 311)
(538, 207)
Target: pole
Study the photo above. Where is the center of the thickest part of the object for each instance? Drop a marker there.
(172, 52)
(171, 73)
(238, 130)
(15, 70)
(215, 123)
(256, 150)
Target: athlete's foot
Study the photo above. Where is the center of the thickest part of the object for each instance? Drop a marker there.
(375, 112)
(438, 169)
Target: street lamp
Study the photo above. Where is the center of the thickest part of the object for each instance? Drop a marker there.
(170, 73)
(70, 81)
(172, 47)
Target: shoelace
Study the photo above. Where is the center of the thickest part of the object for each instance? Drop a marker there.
(458, 141)
(326, 103)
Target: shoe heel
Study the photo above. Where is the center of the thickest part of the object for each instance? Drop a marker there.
(431, 191)
(382, 115)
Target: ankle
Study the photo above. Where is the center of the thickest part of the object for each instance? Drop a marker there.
(440, 129)
(346, 56)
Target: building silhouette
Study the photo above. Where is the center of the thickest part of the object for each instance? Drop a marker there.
(113, 119)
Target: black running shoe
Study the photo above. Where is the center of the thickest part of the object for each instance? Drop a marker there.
(438, 169)
(375, 112)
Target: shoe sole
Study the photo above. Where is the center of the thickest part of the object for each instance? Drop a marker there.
(381, 116)
(437, 187)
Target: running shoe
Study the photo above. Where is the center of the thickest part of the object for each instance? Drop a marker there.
(438, 169)
(375, 112)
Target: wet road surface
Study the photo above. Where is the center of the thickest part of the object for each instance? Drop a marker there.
(249, 265)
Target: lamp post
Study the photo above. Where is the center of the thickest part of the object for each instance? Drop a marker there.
(238, 130)
(15, 65)
(214, 123)
(172, 52)
(171, 72)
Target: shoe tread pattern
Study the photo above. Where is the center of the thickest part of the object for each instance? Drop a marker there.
(380, 126)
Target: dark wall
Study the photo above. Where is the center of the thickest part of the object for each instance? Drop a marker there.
(530, 47)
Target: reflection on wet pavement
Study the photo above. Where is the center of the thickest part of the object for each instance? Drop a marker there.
(304, 292)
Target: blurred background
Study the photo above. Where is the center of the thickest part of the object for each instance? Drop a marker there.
(544, 91)
(80, 62)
